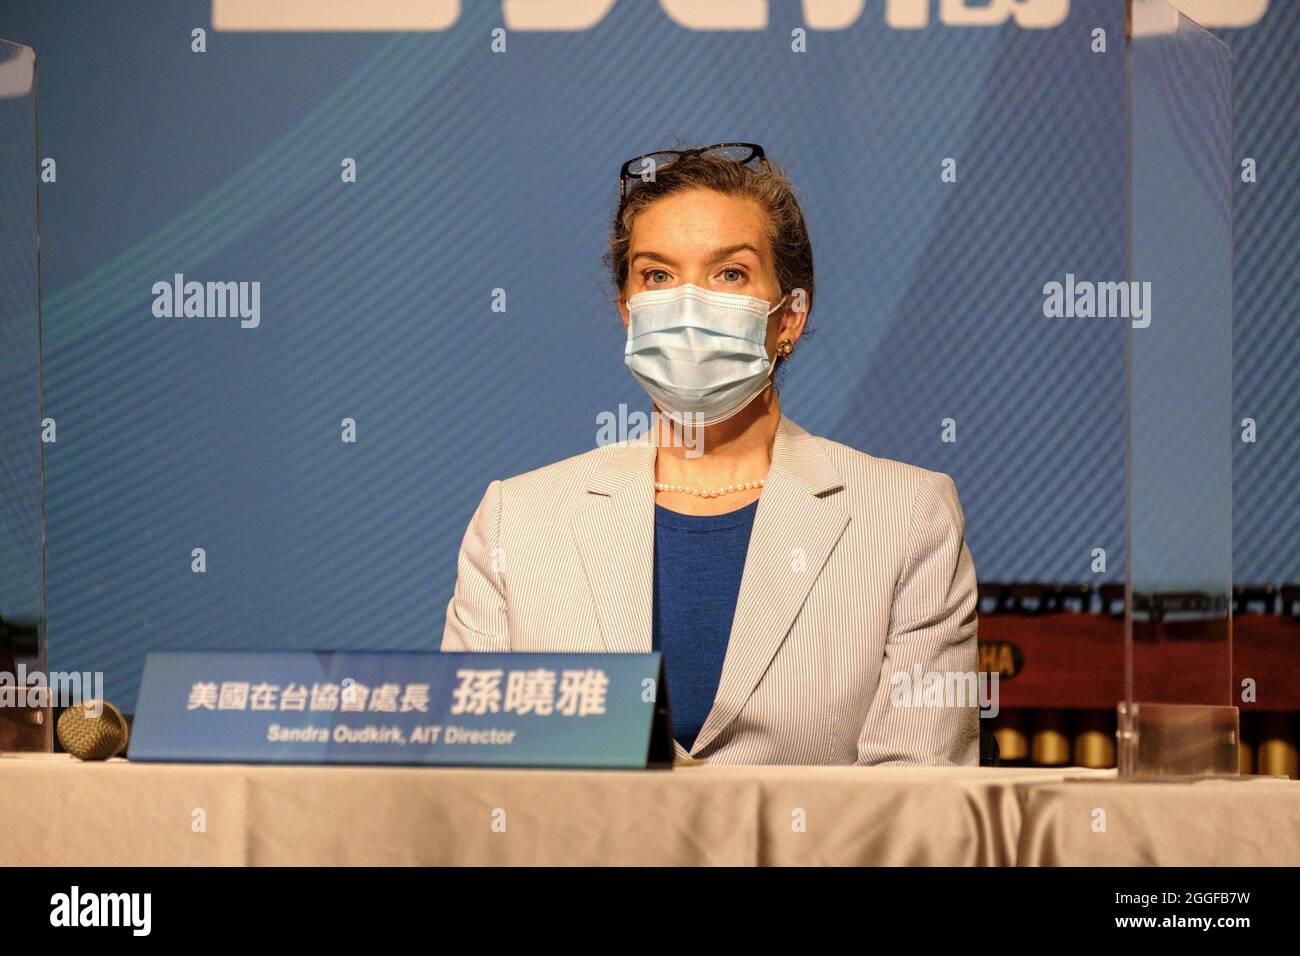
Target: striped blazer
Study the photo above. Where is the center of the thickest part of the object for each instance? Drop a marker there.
(858, 585)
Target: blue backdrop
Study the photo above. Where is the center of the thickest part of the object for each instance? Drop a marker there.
(479, 171)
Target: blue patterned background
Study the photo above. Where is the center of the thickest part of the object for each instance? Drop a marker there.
(478, 171)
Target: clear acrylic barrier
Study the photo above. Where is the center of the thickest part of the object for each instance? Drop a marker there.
(1178, 717)
(24, 717)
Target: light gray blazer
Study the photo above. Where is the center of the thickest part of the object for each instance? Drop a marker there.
(857, 571)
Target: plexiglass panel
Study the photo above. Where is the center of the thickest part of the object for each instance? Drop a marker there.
(24, 718)
(1179, 409)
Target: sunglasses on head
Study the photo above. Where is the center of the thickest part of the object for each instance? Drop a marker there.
(642, 168)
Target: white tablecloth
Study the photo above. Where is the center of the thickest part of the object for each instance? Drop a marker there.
(55, 810)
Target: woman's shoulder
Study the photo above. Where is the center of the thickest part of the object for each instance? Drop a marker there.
(870, 479)
(566, 478)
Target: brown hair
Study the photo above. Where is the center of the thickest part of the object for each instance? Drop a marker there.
(791, 247)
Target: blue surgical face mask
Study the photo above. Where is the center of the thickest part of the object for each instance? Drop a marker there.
(698, 353)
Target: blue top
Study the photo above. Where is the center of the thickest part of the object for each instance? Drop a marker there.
(698, 563)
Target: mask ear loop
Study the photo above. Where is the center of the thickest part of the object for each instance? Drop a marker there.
(769, 312)
(772, 363)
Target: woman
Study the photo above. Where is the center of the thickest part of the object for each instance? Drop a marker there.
(803, 593)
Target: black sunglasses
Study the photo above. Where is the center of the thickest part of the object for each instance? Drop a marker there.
(653, 162)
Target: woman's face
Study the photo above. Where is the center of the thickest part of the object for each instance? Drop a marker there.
(705, 238)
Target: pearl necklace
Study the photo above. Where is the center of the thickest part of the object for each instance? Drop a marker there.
(710, 492)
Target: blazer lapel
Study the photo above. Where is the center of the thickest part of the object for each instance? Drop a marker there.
(614, 532)
(795, 529)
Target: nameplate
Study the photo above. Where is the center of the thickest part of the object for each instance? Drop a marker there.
(508, 710)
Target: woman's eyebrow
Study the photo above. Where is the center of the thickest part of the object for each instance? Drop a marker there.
(647, 254)
(727, 251)
(723, 253)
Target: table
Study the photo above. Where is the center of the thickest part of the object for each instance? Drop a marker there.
(1249, 821)
(55, 810)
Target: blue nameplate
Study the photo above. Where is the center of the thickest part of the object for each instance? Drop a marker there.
(522, 710)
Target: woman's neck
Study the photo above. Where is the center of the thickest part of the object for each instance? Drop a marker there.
(728, 454)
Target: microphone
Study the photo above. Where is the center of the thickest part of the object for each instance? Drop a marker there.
(88, 736)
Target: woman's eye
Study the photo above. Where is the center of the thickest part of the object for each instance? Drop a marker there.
(733, 275)
(654, 275)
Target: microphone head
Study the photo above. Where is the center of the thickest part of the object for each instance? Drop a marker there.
(93, 730)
